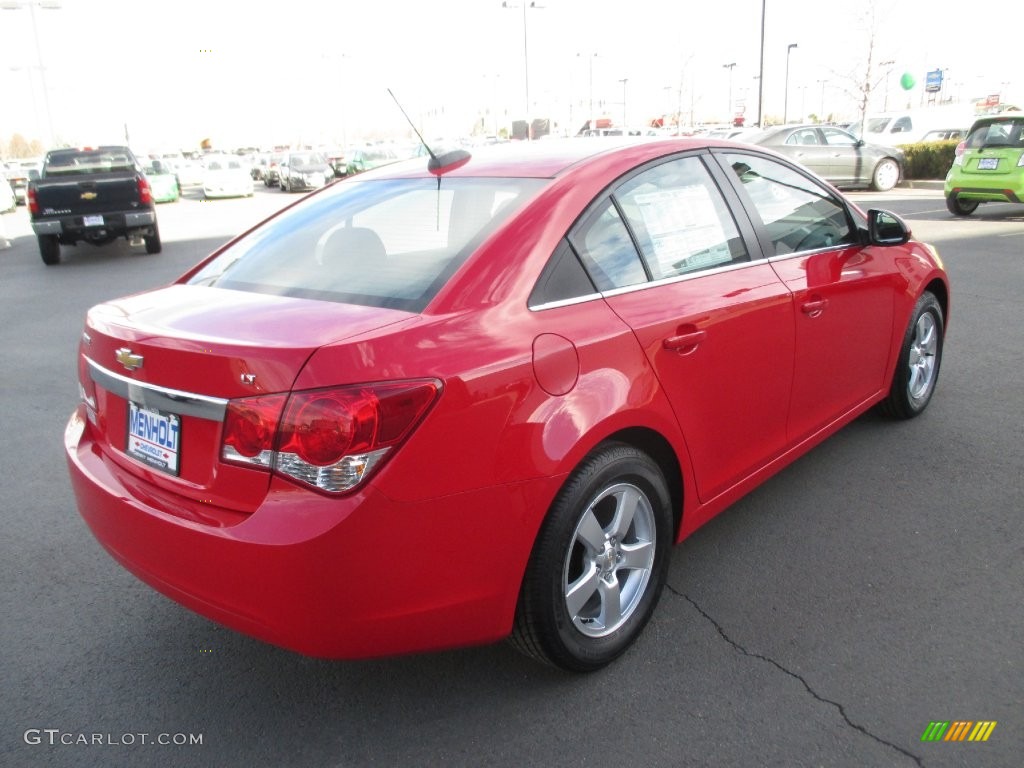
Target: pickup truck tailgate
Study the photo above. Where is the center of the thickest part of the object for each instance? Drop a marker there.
(85, 195)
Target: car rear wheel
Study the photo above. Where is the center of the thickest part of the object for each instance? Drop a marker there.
(153, 241)
(917, 370)
(886, 175)
(49, 249)
(599, 563)
(960, 207)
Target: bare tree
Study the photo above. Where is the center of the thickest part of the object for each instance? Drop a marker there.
(863, 78)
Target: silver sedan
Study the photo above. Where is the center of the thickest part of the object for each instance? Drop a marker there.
(835, 155)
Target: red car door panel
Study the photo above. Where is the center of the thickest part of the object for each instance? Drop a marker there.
(722, 348)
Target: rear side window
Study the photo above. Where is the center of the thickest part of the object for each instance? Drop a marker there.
(666, 221)
(386, 243)
(606, 249)
(680, 219)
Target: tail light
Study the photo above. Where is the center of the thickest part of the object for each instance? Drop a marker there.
(145, 193)
(958, 153)
(328, 439)
(86, 387)
(33, 201)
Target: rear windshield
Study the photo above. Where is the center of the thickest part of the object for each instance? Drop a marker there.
(83, 161)
(1005, 133)
(388, 243)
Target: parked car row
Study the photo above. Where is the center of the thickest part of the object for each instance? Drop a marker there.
(19, 173)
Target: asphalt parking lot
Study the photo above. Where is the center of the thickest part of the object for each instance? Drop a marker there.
(872, 588)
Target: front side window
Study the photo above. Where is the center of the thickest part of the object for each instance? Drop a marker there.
(797, 214)
(387, 243)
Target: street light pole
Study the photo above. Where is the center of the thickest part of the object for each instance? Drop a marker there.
(888, 72)
(785, 103)
(625, 130)
(760, 73)
(590, 86)
(728, 110)
(526, 64)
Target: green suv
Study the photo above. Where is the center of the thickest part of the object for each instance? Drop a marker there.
(989, 165)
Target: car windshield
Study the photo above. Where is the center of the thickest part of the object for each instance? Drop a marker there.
(308, 159)
(156, 167)
(385, 243)
(1005, 133)
(877, 124)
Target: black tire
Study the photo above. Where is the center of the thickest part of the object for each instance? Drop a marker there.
(960, 207)
(49, 249)
(886, 175)
(583, 542)
(153, 241)
(917, 370)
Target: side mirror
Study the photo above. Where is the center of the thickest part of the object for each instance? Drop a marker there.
(885, 228)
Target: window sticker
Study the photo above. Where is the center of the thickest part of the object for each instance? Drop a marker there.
(684, 228)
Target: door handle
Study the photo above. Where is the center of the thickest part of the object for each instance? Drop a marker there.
(684, 343)
(814, 307)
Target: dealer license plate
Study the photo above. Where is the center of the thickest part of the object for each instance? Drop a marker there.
(988, 163)
(154, 437)
(92, 221)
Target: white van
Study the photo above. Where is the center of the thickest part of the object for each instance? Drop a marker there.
(911, 126)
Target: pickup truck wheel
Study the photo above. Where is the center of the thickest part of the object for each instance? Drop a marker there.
(49, 249)
(153, 241)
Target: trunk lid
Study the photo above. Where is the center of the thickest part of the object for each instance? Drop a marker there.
(169, 360)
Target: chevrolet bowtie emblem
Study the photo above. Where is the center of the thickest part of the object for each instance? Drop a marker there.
(128, 359)
(89, 195)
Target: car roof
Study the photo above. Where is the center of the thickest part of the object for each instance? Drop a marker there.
(542, 159)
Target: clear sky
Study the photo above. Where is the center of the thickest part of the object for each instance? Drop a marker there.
(244, 73)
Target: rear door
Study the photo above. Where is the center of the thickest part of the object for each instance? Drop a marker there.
(715, 323)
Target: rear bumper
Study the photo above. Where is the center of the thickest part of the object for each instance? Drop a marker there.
(353, 577)
(119, 223)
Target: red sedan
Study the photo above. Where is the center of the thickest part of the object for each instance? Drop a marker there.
(435, 406)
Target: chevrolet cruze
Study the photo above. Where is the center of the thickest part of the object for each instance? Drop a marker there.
(448, 402)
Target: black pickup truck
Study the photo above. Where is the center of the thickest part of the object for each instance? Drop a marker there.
(95, 194)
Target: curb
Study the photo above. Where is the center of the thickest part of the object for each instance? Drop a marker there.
(922, 184)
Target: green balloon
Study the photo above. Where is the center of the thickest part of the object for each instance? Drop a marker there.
(907, 81)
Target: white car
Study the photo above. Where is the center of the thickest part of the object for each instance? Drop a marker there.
(226, 176)
(8, 202)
